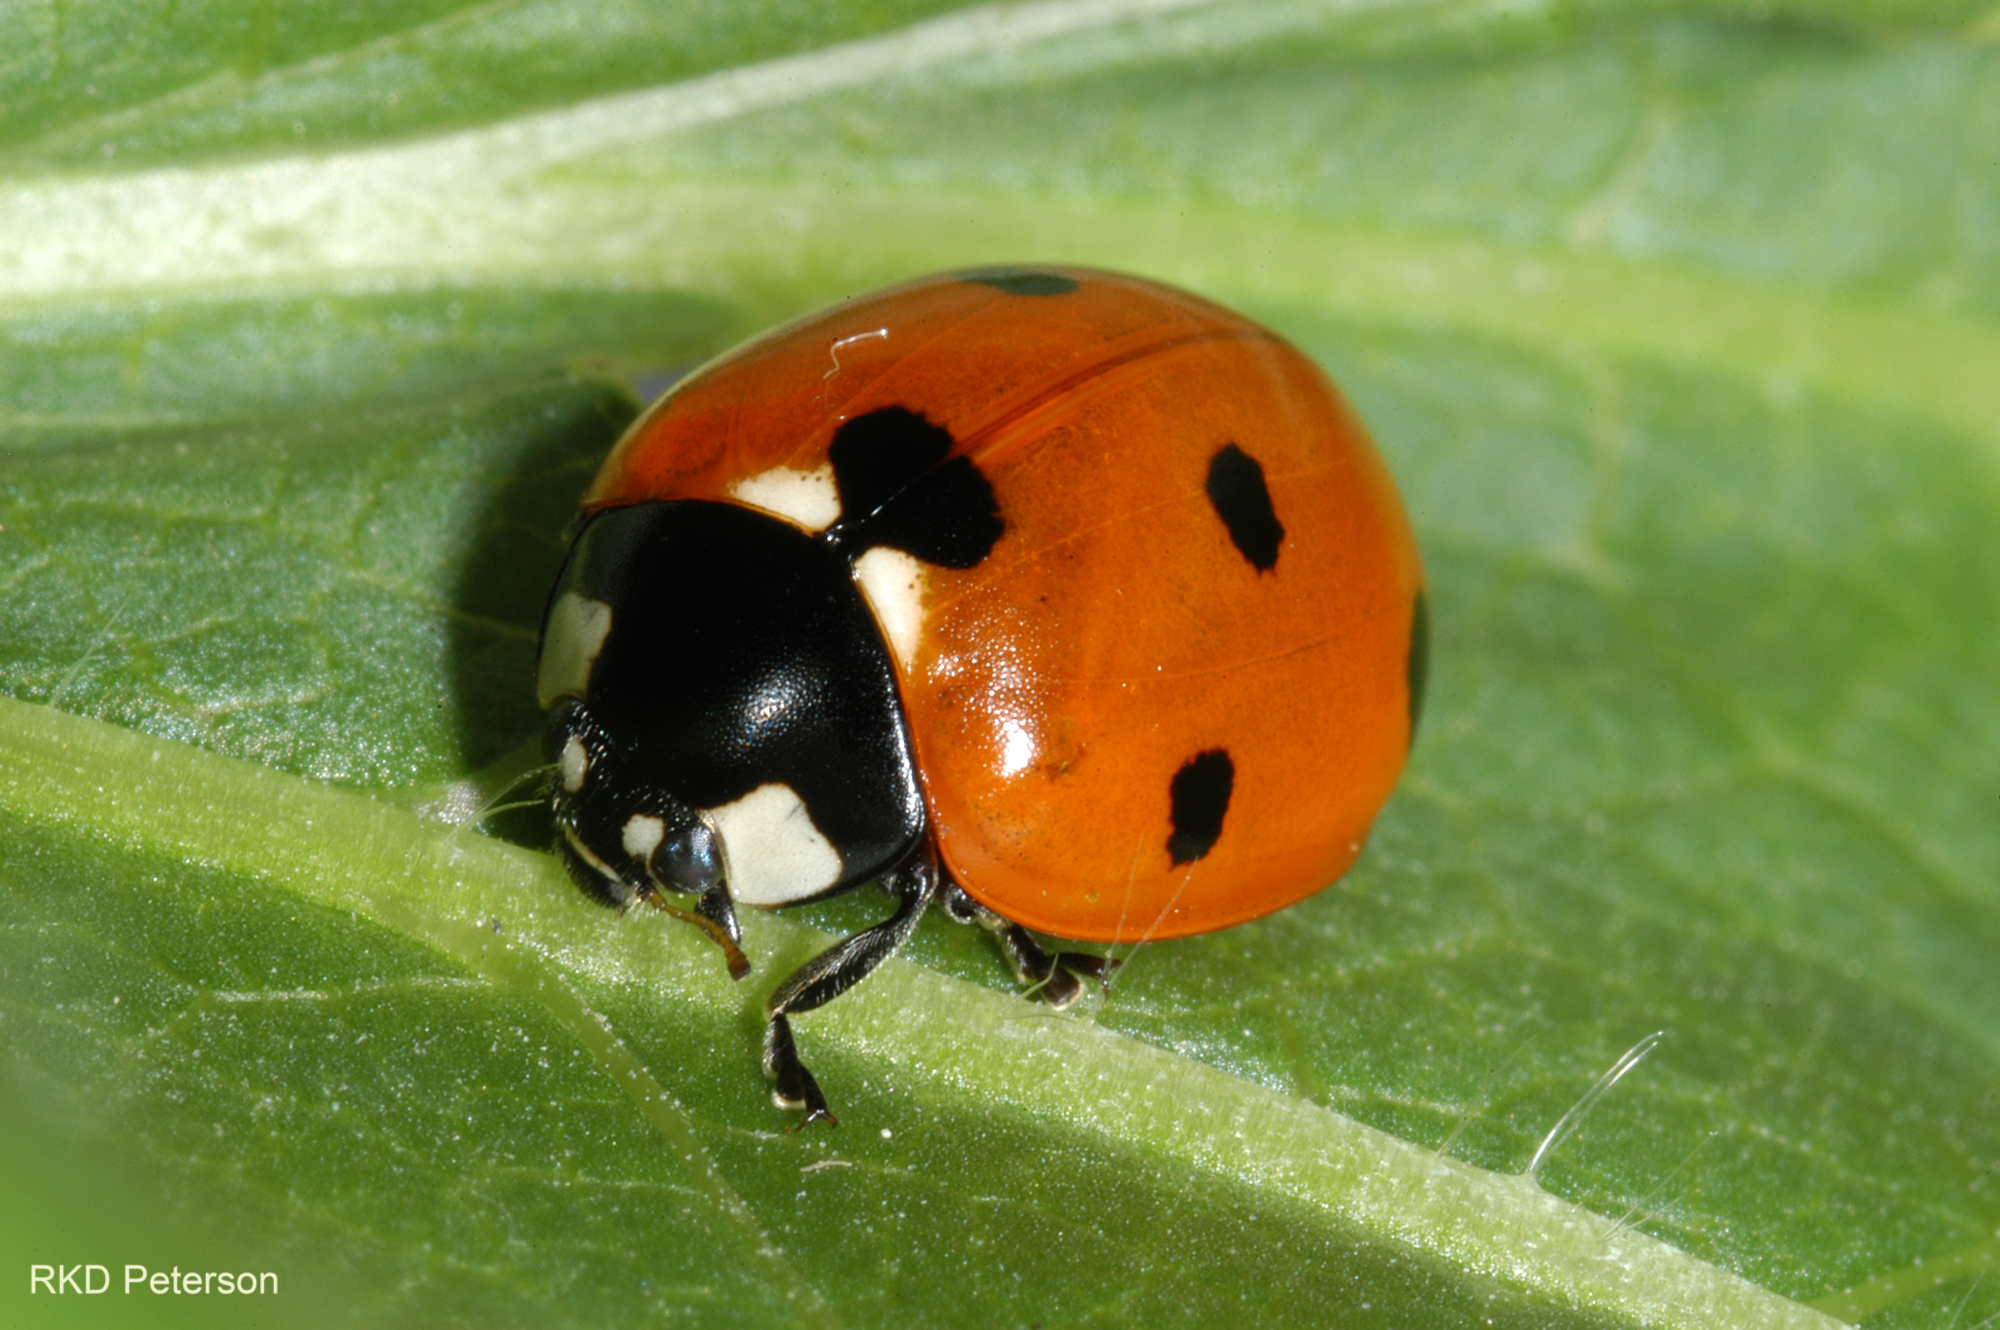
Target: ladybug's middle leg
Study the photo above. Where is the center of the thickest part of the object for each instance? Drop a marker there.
(1057, 978)
(834, 971)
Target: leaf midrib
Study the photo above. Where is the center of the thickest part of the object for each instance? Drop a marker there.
(350, 853)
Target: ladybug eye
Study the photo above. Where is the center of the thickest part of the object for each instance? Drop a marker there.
(689, 861)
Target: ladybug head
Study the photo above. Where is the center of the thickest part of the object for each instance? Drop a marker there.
(622, 837)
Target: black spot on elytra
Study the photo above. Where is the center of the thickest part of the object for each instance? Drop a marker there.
(1236, 488)
(1420, 658)
(1022, 281)
(1200, 796)
(899, 486)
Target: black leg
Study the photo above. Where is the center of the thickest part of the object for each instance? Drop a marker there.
(831, 973)
(1057, 978)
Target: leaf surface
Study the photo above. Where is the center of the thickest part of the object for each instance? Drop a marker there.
(1677, 327)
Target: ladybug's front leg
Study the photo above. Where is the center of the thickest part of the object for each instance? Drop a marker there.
(714, 914)
(834, 971)
(1057, 978)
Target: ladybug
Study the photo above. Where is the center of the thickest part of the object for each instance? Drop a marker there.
(1072, 602)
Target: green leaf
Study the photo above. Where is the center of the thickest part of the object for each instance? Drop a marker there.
(1678, 327)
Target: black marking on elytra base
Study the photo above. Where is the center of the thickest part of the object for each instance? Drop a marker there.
(1022, 281)
(899, 486)
(1236, 488)
(1200, 796)
(1420, 658)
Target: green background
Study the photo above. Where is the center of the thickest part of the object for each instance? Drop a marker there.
(1680, 327)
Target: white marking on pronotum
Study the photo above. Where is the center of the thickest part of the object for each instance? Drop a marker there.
(1571, 1120)
(643, 834)
(574, 764)
(576, 631)
(773, 852)
(808, 498)
(894, 583)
